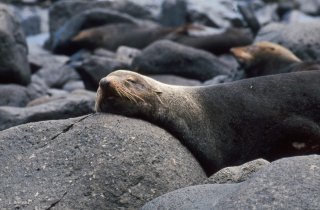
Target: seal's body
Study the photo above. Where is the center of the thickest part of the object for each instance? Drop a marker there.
(265, 117)
(265, 58)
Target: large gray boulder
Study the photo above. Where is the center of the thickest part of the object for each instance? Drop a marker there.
(97, 161)
(14, 66)
(289, 183)
(301, 38)
(75, 104)
(167, 57)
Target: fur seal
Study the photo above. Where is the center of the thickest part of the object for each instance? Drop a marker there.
(223, 125)
(264, 58)
(112, 36)
(217, 43)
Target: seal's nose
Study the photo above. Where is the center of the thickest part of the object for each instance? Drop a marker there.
(104, 82)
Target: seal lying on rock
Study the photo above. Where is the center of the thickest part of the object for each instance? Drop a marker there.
(264, 58)
(265, 117)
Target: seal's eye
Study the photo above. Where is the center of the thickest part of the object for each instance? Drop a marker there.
(131, 80)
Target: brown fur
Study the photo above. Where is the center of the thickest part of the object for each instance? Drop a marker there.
(264, 58)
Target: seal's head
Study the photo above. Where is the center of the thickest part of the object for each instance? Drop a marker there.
(263, 52)
(128, 93)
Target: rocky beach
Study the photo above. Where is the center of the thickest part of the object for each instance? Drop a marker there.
(57, 152)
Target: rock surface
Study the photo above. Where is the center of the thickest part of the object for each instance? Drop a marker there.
(92, 162)
(237, 174)
(74, 104)
(167, 57)
(14, 66)
(289, 183)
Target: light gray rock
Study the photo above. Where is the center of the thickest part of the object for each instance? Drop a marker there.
(13, 95)
(237, 174)
(98, 161)
(57, 76)
(288, 183)
(56, 107)
(296, 16)
(14, 66)
(73, 85)
(127, 54)
(167, 57)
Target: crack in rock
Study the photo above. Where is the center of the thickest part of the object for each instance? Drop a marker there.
(55, 203)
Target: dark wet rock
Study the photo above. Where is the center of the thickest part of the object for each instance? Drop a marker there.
(57, 76)
(173, 13)
(57, 107)
(73, 85)
(92, 162)
(289, 183)
(63, 11)
(14, 66)
(93, 68)
(167, 57)
(175, 80)
(127, 54)
(301, 38)
(237, 174)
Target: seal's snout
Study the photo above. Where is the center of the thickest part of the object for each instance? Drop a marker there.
(104, 82)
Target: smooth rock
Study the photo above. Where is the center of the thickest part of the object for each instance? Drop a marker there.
(96, 161)
(296, 16)
(288, 183)
(57, 107)
(167, 57)
(14, 66)
(57, 76)
(73, 85)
